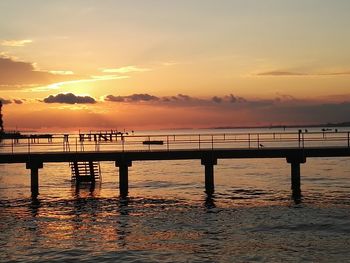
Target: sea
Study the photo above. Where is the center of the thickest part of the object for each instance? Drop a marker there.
(167, 216)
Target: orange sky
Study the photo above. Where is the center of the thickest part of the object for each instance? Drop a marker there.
(158, 64)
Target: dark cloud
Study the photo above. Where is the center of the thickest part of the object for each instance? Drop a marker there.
(180, 98)
(17, 101)
(217, 99)
(284, 97)
(132, 98)
(16, 74)
(184, 97)
(235, 99)
(69, 98)
(4, 101)
(114, 98)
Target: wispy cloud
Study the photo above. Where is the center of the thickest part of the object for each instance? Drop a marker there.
(16, 43)
(281, 73)
(62, 72)
(335, 73)
(58, 85)
(123, 70)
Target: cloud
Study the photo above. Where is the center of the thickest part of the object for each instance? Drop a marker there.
(181, 100)
(280, 73)
(62, 72)
(284, 97)
(5, 101)
(15, 74)
(235, 99)
(18, 101)
(16, 43)
(58, 85)
(217, 99)
(127, 69)
(132, 98)
(335, 73)
(69, 98)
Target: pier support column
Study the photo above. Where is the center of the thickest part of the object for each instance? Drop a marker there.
(34, 176)
(295, 174)
(123, 176)
(209, 174)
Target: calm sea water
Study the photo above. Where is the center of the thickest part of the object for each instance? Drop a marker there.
(168, 218)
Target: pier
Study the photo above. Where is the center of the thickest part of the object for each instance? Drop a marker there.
(208, 149)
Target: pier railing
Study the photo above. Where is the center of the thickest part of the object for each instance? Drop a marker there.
(147, 142)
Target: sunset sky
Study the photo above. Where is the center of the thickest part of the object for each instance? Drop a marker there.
(150, 64)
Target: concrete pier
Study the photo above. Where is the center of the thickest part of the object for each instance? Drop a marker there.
(123, 176)
(123, 160)
(209, 163)
(34, 176)
(295, 162)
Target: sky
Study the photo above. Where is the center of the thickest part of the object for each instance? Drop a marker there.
(158, 64)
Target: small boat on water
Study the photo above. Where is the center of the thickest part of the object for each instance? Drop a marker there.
(153, 142)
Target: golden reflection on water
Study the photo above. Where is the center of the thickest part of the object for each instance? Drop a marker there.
(83, 220)
(250, 214)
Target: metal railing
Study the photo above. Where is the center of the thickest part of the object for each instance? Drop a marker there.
(168, 142)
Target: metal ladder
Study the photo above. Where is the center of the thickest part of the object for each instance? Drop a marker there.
(86, 171)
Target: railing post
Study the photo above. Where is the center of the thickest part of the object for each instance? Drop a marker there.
(348, 139)
(12, 145)
(167, 142)
(28, 145)
(258, 140)
(199, 141)
(212, 142)
(249, 140)
(302, 136)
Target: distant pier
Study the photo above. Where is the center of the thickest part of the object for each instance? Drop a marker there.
(295, 148)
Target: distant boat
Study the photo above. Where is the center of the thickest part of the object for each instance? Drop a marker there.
(153, 142)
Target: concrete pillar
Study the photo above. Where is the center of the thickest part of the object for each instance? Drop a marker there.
(295, 162)
(34, 167)
(209, 174)
(123, 176)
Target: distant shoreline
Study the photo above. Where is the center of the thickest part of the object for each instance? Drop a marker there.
(329, 125)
